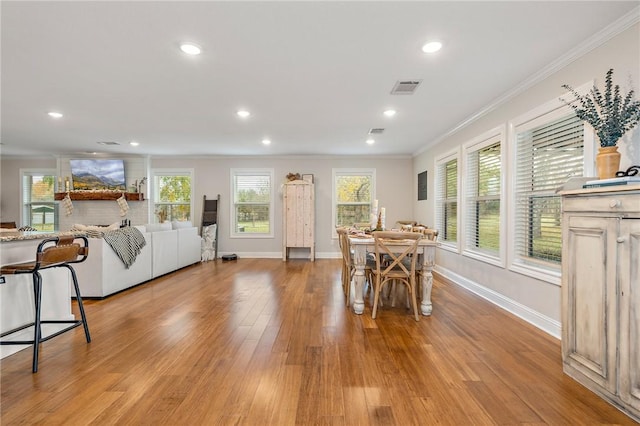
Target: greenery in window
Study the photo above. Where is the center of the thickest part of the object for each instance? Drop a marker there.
(174, 197)
(353, 196)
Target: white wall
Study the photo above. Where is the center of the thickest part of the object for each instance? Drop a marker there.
(394, 190)
(535, 300)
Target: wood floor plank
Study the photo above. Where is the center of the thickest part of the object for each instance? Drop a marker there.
(266, 342)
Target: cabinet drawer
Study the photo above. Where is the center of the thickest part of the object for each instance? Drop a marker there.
(603, 204)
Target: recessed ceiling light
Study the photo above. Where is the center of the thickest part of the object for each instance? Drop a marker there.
(266, 142)
(243, 113)
(55, 114)
(190, 48)
(134, 143)
(431, 47)
(371, 141)
(390, 112)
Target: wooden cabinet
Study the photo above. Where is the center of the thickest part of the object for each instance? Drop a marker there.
(298, 217)
(601, 293)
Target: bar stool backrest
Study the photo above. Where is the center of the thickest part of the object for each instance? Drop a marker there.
(65, 250)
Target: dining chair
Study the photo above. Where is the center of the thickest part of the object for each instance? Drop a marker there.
(348, 266)
(396, 254)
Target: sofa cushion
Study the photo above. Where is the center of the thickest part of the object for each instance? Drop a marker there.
(155, 227)
(178, 224)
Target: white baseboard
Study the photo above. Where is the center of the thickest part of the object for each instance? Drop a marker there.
(543, 322)
(278, 255)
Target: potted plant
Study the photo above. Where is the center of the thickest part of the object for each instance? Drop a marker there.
(611, 115)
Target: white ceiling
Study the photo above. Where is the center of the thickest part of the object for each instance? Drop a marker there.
(315, 75)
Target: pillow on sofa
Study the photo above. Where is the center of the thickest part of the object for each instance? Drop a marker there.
(94, 231)
(154, 227)
(177, 224)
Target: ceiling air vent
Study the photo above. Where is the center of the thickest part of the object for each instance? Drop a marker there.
(406, 87)
(108, 143)
(375, 131)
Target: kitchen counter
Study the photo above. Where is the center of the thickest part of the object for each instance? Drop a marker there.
(16, 294)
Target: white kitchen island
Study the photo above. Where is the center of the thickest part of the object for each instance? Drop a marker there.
(16, 294)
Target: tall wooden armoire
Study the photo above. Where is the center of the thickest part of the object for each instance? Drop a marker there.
(298, 213)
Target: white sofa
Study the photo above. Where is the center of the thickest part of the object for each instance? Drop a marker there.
(166, 250)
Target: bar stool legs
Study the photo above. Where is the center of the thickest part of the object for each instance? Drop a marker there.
(66, 250)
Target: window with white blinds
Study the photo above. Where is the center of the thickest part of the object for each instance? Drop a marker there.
(172, 194)
(447, 200)
(483, 197)
(39, 210)
(252, 213)
(353, 193)
(547, 154)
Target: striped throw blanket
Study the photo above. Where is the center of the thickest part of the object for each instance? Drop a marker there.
(126, 243)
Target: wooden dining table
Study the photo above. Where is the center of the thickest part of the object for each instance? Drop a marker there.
(364, 244)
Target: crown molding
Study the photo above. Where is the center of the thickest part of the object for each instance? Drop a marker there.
(598, 39)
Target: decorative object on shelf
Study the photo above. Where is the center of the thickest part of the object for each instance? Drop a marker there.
(122, 204)
(631, 171)
(67, 204)
(611, 115)
(293, 176)
(307, 178)
(139, 184)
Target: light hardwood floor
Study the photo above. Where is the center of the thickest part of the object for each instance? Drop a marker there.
(261, 341)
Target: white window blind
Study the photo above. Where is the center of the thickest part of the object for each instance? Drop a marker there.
(39, 210)
(482, 200)
(252, 202)
(447, 200)
(547, 155)
(353, 194)
(172, 195)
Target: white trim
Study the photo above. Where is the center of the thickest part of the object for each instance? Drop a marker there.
(169, 171)
(596, 40)
(497, 134)
(30, 171)
(454, 247)
(367, 171)
(251, 171)
(535, 318)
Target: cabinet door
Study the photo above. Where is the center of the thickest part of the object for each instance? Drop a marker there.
(629, 267)
(590, 299)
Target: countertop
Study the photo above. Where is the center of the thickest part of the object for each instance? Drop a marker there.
(7, 236)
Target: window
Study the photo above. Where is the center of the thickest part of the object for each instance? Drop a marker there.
(447, 200)
(549, 150)
(353, 193)
(172, 194)
(482, 203)
(39, 210)
(252, 207)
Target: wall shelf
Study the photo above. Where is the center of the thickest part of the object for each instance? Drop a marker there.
(99, 196)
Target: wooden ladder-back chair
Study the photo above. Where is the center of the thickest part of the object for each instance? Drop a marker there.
(347, 265)
(56, 252)
(396, 254)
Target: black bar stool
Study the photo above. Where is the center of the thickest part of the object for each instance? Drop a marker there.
(56, 252)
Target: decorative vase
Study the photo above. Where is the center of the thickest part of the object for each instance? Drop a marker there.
(607, 161)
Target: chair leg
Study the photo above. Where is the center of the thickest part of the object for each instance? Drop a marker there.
(80, 305)
(37, 333)
(376, 297)
(414, 300)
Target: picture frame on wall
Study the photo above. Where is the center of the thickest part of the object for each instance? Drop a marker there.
(307, 178)
(422, 186)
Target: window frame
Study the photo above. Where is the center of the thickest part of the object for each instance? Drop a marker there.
(489, 138)
(337, 172)
(24, 221)
(232, 205)
(439, 166)
(539, 116)
(154, 197)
